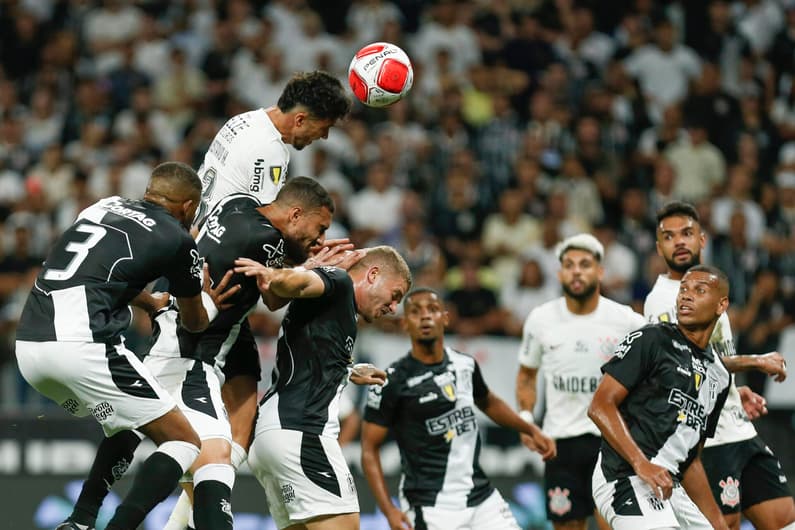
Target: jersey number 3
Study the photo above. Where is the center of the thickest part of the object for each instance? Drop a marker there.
(80, 251)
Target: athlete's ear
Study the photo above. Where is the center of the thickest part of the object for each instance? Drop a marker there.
(300, 118)
(295, 213)
(372, 274)
(723, 305)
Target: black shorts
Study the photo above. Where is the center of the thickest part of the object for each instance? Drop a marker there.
(243, 356)
(567, 478)
(742, 474)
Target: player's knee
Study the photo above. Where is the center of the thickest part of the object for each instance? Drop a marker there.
(216, 451)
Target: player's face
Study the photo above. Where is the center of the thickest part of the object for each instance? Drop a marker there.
(383, 294)
(425, 317)
(307, 129)
(307, 229)
(700, 299)
(580, 274)
(679, 242)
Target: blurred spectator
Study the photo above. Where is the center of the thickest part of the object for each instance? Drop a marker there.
(663, 179)
(783, 111)
(620, 266)
(44, 123)
(107, 28)
(508, 232)
(446, 30)
(367, 19)
(519, 295)
(656, 139)
(424, 258)
(584, 49)
(472, 297)
(760, 321)
(734, 253)
(583, 198)
(375, 210)
(699, 165)
(718, 109)
(180, 92)
(53, 175)
(664, 68)
(759, 21)
(146, 125)
(738, 195)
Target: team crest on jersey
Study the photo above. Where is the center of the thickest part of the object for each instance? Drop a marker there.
(446, 383)
(559, 502)
(276, 175)
(699, 372)
(607, 346)
(729, 492)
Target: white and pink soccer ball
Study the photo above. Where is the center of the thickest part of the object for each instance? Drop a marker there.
(380, 74)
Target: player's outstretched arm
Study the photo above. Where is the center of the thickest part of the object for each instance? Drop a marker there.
(772, 364)
(373, 436)
(753, 404)
(285, 283)
(694, 480)
(604, 413)
(499, 411)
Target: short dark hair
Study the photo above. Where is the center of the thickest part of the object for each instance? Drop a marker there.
(306, 192)
(321, 93)
(419, 290)
(677, 208)
(178, 174)
(723, 279)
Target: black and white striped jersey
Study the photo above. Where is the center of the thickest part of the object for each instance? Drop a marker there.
(313, 355)
(676, 392)
(115, 247)
(234, 229)
(430, 410)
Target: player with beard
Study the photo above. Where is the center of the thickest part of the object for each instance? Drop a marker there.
(569, 339)
(428, 403)
(743, 472)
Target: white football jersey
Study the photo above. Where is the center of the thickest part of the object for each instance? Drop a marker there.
(247, 155)
(660, 306)
(570, 350)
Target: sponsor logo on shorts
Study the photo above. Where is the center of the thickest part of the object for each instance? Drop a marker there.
(730, 492)
(226, 507)
(71, 406)
(351, 484)
(288, 493)
(655, 503)
(559, 502)
(102, 411)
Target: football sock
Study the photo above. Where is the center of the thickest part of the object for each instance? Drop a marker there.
(180, 514)
(154, 481)
(113, 457)
(212, 496)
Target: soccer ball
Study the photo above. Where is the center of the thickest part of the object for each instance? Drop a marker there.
(380, 74)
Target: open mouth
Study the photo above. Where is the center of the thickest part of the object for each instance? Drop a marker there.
(682, 254)
(685, 309)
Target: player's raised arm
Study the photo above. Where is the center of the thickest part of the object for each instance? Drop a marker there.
(286, 283)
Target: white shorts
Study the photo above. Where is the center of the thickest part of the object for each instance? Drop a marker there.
(491, 514)
(304, 476)
(630, 504)
(195, 387)
(107, 381)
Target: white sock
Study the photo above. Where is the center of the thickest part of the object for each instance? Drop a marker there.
(239, 455)
(180, 514)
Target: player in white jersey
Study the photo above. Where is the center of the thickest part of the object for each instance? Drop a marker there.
(569, 339)
(249, 153)
(743, 472)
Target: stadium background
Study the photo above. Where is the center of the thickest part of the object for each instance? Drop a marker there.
(529, 120)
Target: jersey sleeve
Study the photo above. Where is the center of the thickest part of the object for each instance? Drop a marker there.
(479, 387)
(382, 401)
(530, 348)
(261, 168)
(632, 359)
(333, 278)
(184, 274)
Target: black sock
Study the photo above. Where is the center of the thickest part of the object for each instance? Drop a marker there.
(212, 508)
(157, 478)
(113, 457)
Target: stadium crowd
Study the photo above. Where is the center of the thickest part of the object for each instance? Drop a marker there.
(529, 121)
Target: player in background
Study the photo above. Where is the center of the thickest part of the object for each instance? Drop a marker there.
(69, 344)
(743, 472)
(659, 399)
(295, 454)
(428, 402)
(249, 153)
(288, 228)
(569, 338)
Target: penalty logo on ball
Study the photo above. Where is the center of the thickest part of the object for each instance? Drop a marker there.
(380, 74)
